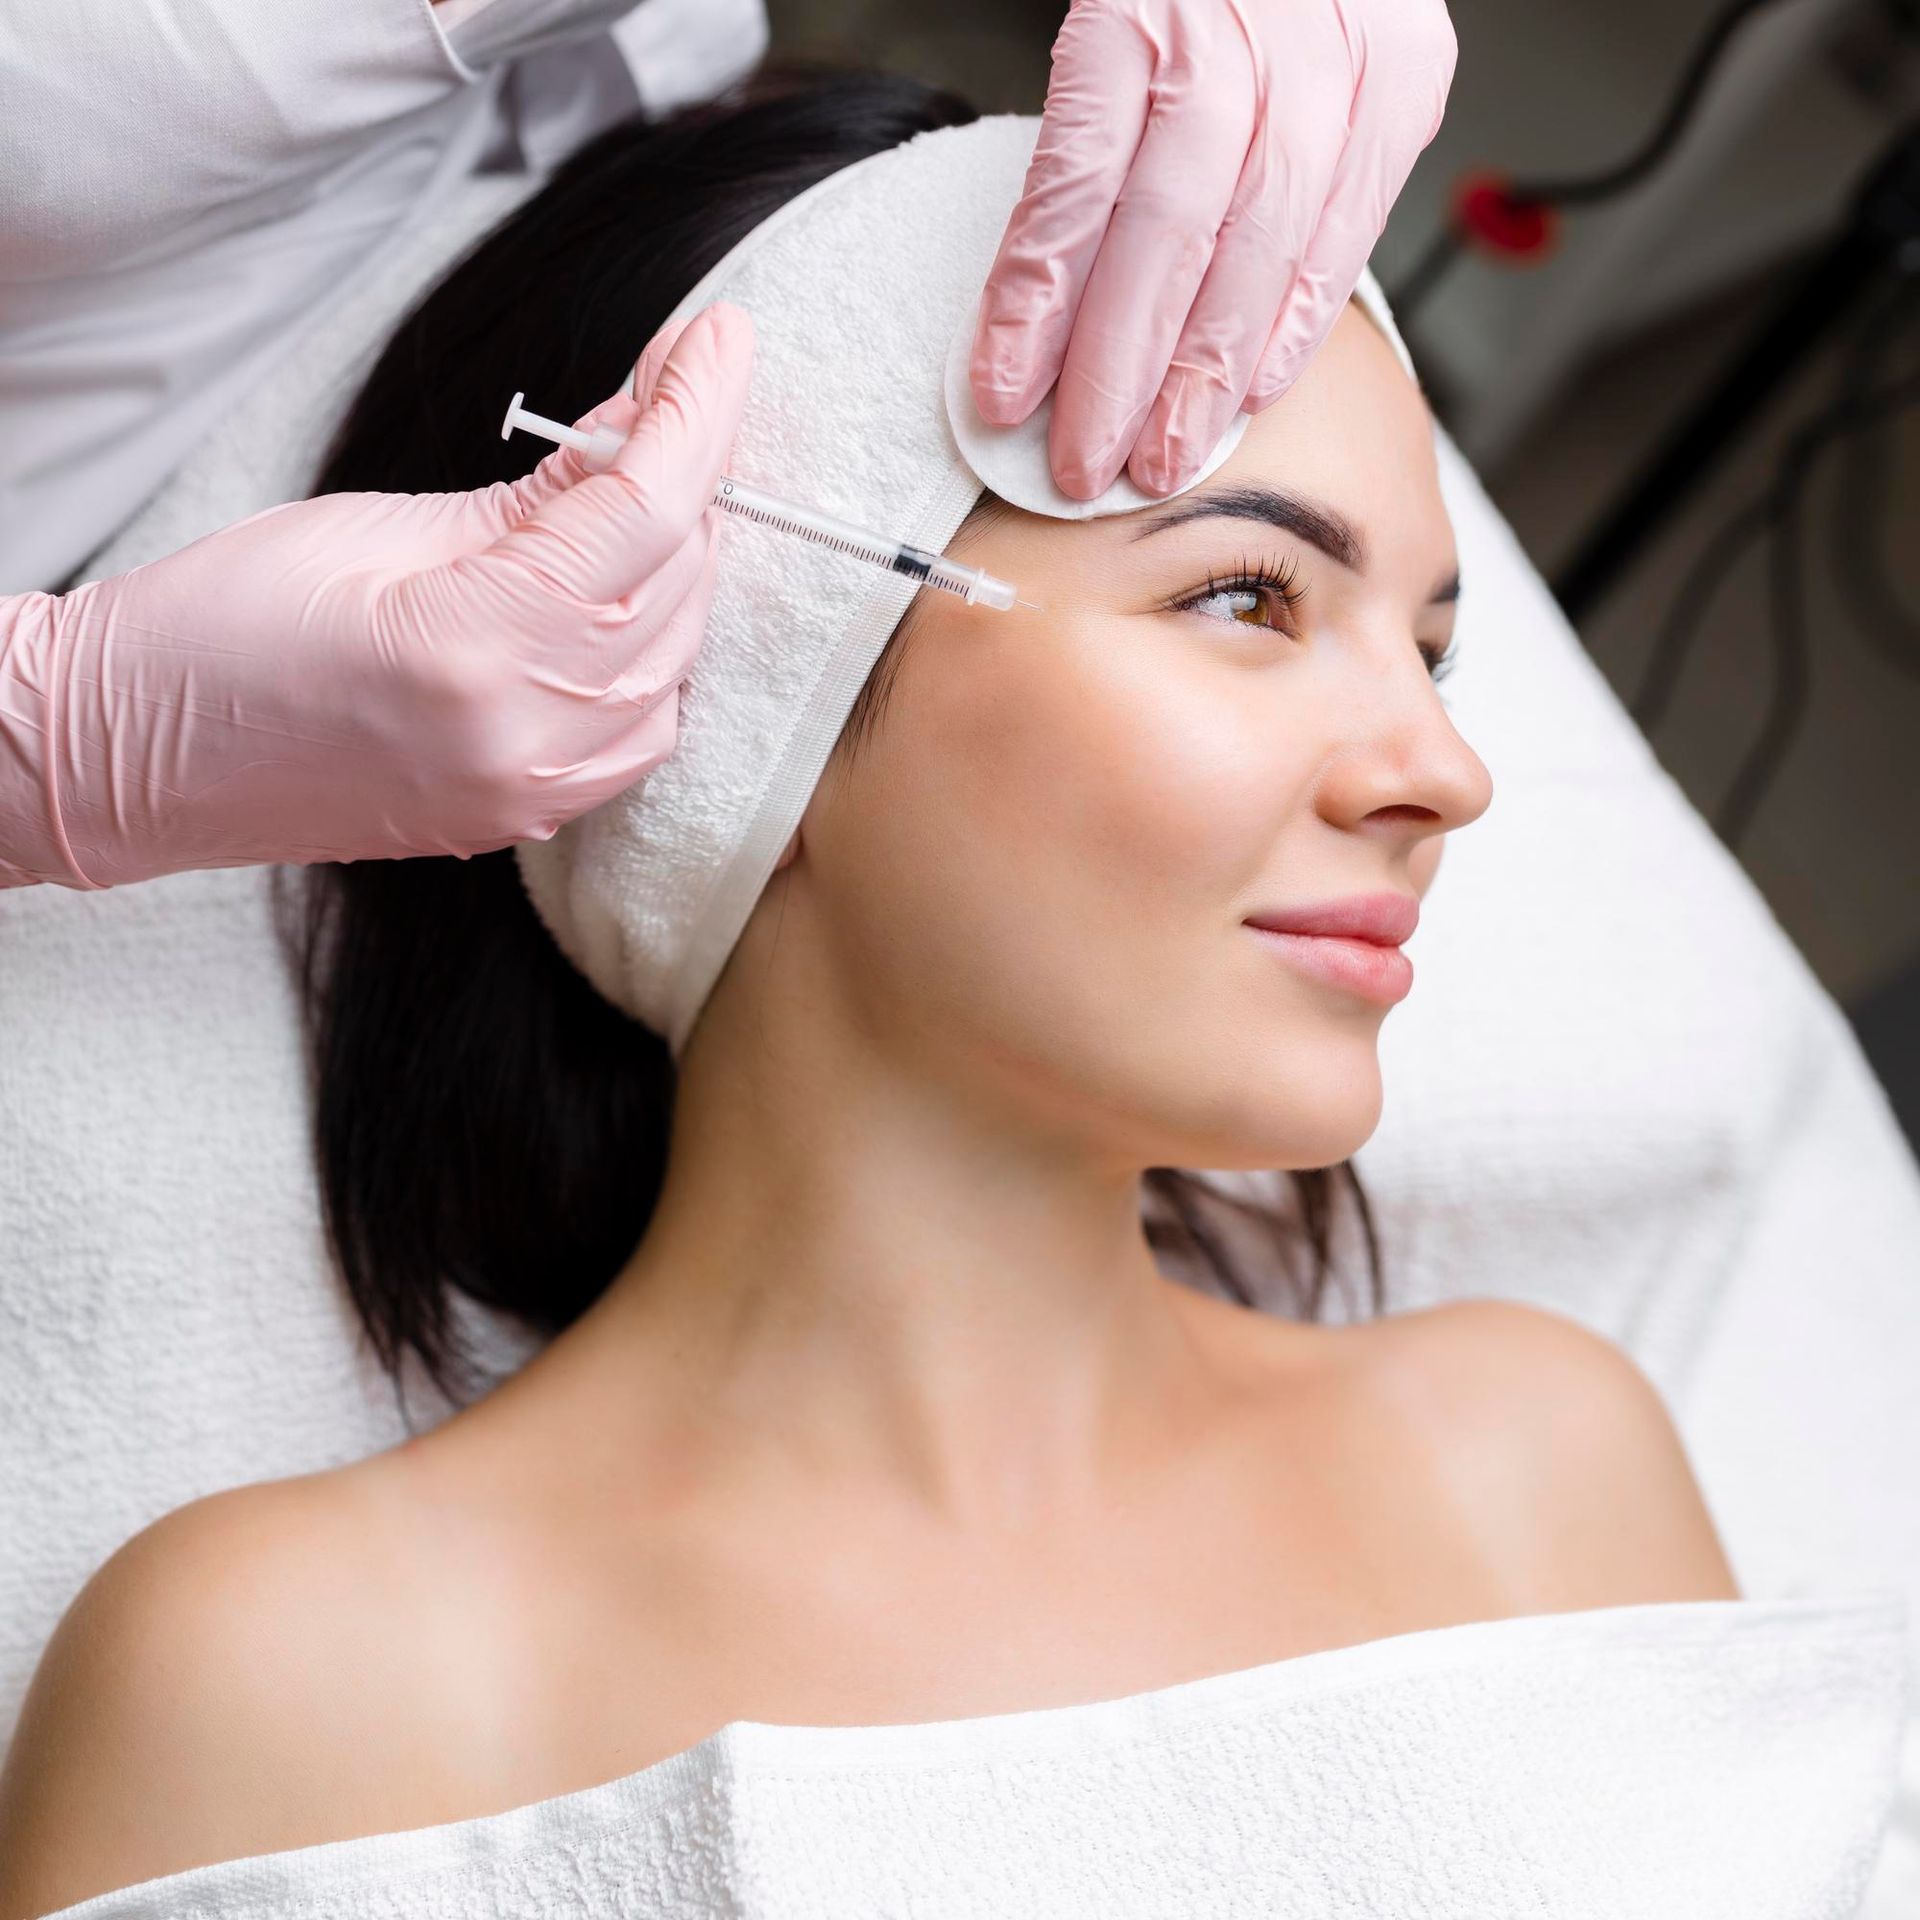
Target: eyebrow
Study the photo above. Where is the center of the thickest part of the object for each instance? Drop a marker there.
(1313, 521)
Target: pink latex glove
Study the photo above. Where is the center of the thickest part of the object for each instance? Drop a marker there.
(368, 675)
(1208, 182)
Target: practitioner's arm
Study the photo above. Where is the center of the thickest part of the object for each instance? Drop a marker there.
(1208, 182)
(369, 675)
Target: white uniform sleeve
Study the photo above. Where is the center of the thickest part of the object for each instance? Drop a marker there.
(178, 201)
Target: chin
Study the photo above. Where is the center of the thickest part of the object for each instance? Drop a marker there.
(1311, 1113)
(1347, 1105)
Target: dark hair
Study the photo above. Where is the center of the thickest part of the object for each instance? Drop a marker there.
(485, 1123)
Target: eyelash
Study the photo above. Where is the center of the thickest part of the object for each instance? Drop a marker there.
(1279, 582)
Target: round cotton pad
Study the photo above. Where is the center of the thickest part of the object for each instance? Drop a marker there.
(1015, 463)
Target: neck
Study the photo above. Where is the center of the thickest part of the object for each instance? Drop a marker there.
(904, 1289)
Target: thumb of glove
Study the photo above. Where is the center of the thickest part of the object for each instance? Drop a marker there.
(603, 536)
(564, 467)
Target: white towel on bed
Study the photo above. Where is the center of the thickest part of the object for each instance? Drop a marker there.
(1618, 1091)
(1690, 1760)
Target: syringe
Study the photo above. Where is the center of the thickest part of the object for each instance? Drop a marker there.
(970, 583)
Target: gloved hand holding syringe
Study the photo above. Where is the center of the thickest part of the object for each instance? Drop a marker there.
(361, 676)
(372, 675)
(599, 447)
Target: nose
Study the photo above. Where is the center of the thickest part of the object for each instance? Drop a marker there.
(1405, 768)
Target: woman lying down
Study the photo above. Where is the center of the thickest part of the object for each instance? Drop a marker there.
(881, 1529)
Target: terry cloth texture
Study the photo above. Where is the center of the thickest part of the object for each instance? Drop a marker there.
(1687, 1760)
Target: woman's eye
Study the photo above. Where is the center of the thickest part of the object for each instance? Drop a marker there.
(1250, 605)
(1253, 597)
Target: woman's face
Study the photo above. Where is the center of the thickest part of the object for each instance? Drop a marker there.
(1033, 878)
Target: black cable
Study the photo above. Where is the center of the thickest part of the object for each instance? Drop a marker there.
(1858, 409)
(1441, 252)
(1860, 413)
(1695, 595)
(1792, 671)
(1786, 701)
(1778, 512)
(1585, 189)
(1858, 531)
(1697, 591)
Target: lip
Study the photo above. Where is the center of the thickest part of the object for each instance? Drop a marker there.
(1385, 919)
(1353, 943)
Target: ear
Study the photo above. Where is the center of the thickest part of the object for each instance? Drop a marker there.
(788, 851)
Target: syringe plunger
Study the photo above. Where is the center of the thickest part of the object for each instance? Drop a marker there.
(598, 448)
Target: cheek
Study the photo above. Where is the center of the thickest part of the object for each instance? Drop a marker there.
(1038, 875)
(1138, 773)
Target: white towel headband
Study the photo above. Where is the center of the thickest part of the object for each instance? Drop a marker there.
(863, 291)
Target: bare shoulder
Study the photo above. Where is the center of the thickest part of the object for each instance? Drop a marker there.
(211, 1692)
(1557, 1451)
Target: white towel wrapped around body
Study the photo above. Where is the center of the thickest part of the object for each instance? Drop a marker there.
(1687, 1760)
